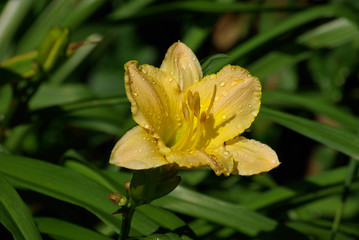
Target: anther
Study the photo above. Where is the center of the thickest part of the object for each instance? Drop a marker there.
(196, 104)
(190, 99)
(185, 111)
(203, 117)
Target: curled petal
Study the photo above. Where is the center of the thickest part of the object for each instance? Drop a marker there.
(251, 157)
(236, 96)
(153, 98)
(137, 150)
(221, 160)
(181, 63)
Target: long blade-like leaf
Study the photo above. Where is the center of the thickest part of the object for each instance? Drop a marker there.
(14, 214)
(339, 139)
(70, 186)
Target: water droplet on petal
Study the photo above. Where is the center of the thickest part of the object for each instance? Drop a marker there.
(224, 116)
(170, 79)
(147, 126)
(144, 70)
(226, 153)
(222, 84)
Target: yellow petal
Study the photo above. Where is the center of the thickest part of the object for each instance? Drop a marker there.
(153, 98)
(191, 159)
(236, 103)
(183, 66)
(221, 160)
(137, 150)
(251, 157)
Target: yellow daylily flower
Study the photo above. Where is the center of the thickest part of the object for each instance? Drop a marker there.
(190, 121)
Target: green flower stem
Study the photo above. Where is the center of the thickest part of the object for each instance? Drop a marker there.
(126, 223)
(351, 173)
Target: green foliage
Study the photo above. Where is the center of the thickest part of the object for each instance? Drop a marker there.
(63, 107)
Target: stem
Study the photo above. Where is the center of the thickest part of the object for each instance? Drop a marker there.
(351, 173)
(126, 223)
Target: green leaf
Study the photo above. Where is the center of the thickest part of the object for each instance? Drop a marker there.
(200, 206)
(69, 186)
(193, 6)
(318, 232)
(53, 48)
(310, 188)
(14, 214)
(290, 24)
(211, 61)
(162, 217)
(167, 236)
(65, 13)
(337, 138)
(312, 103)
(22, 64)
(331, 34)
(76, 59)
(48, 95)
(150, 184)
(59, 229)
(10, 19)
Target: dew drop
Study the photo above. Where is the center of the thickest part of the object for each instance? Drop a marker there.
(135, 93)
(250, 105)
(221, 84)
(144, 70)
(224, 116)
(170, 79)
(147, 126)
(226, 153)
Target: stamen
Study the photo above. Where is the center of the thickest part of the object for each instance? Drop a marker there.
(196, 104)
(200, 128)
(185, 111)
(212, 99)
(190, 99)
(203, 117)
